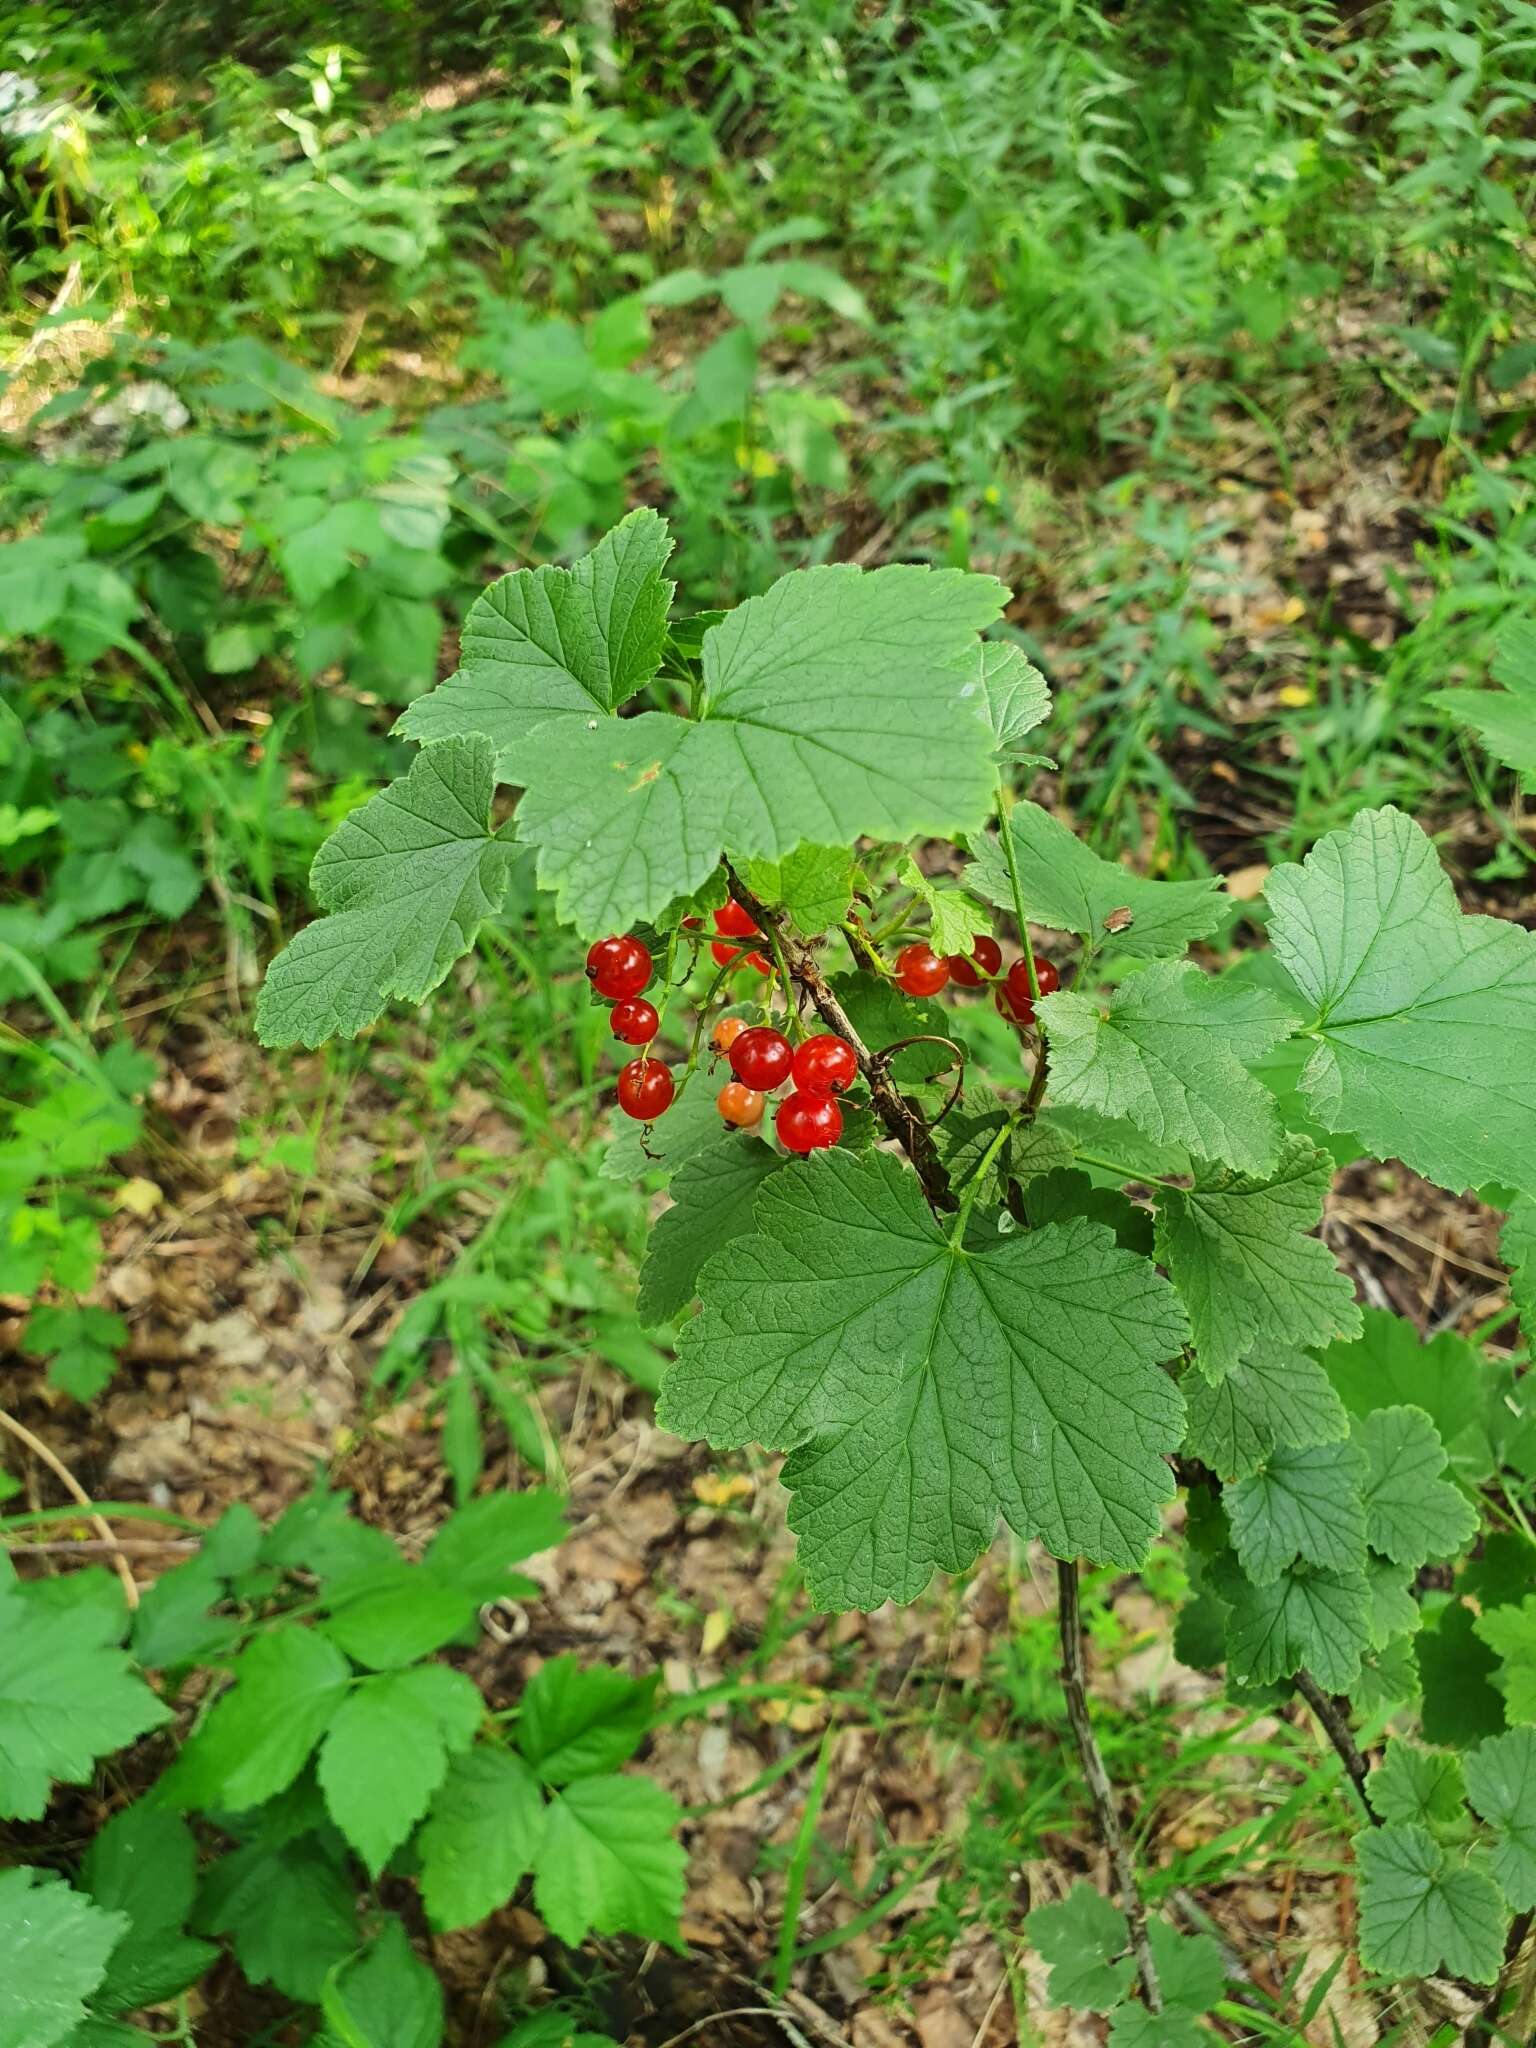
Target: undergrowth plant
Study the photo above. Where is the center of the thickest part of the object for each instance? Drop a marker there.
(293, 1769)
(1049, 1252)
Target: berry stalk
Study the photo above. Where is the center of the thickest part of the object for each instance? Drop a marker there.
(899, 1117)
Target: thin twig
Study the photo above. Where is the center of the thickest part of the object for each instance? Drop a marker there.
(77, 1493)
(1074, 1685)
(1484, 2027)
(1334, 1725)
(900, 1117)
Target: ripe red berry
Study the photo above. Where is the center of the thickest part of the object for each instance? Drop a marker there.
(645, 1089)
(1014, 997)
(634, 1020)
(808, 1123)
(824, 1064)
(759, 963)
(735, 922)
(726, 1033)
(618, 967)
(761, 1057)
(920, 971)
(741, 1106)
(986, 958)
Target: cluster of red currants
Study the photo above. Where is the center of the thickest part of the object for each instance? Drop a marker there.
(922, 972)
(808, 1119)
(732, 922)
(761, 1058)
(620, 968)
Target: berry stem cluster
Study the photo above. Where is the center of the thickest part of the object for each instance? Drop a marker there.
(900, 1118)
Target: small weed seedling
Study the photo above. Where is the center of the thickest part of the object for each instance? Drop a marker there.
(340, 1771)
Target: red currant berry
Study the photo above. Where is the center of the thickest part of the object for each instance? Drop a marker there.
(618, 967)
(735, 922)
(986, 958)
(808, 1123)
(1015, 998)
(645, 1089)
(759, 963)
(741, 1106)
(726, 1033)
(824, 1064)
(634, 1020)
(761, 1057)
(920, 971)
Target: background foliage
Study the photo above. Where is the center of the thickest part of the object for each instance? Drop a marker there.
(1207, 331)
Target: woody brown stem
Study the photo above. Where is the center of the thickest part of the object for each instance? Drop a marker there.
(1337, 1729)
(1074, 1684)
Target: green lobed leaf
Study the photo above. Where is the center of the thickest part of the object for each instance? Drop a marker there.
(712, 1198)
(956, 920)
(317, 1534)
(173, 1624)
(56, 1946)
(386, 1752)
(1240, 1250)
(1389, 1676)
(1394, 1611)
(1064, 1192)
(143, 1865)
(555, 644)
(1133, 2026)
(1274, 1397)
(1510, 1632)
(397, 1613)
(68, 1695)
(1411, 1513)
(259, 1736)
(1068, 887)
(608, 1862)
(1501, 1785)
(387, 1998)
(1084, 1941)
(406, 883)
(1415, 1004)
(1412, 1784)
(1190, 1972)
(1165, 1051)
(922, 1387)
(1390, 1366)
(1503, 719)
(81, 1345)
(1457, 1671)
(814, 884)
(480, 1838)
(1301, 1503)
(1306, 1616)
(831, 708)
(1503, 1570)
(1517, 1248)
(476, 1548)
(289, 1908)
(575, 1723)
(1016, 695)
(1421, 1913)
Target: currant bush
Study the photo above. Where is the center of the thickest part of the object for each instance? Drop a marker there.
(1049, 1276)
